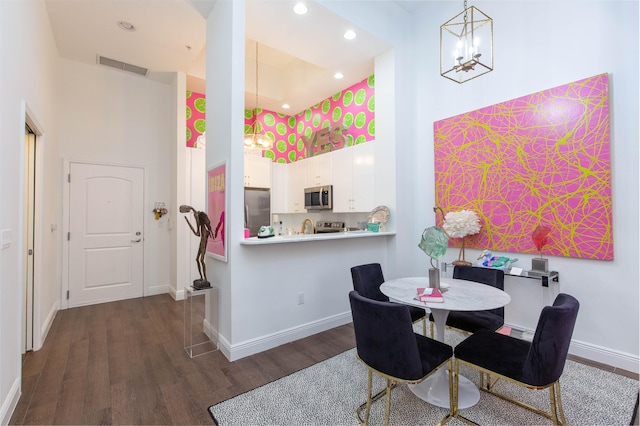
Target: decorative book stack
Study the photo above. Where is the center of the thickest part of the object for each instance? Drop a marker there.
(430, 295)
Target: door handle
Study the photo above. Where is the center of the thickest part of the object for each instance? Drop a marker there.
(136, 241)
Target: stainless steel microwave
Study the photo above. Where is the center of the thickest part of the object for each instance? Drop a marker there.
(318, 198)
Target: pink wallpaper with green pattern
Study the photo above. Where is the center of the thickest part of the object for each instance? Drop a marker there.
(541, 159)
(353, 108)
(196, 108)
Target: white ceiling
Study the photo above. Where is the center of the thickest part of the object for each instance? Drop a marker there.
(298, 55)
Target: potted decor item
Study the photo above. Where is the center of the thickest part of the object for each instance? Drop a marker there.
(434, 242)
(460, 225)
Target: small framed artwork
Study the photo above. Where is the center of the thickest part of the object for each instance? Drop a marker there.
(216, 205)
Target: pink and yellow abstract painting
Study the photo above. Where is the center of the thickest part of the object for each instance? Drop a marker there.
(541, 159)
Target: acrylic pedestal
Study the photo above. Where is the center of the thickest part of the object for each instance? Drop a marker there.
(200, 332)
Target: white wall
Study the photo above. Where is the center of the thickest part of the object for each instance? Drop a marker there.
(540, 45)
(526, 33)
(114, 117)
(259, 285)
(27, 81)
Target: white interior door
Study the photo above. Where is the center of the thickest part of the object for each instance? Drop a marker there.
(106, 241)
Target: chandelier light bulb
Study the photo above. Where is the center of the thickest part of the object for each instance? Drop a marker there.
(462, 35)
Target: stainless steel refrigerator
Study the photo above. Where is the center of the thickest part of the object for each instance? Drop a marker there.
(257, 209)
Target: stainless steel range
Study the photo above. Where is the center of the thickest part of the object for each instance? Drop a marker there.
(326, 227)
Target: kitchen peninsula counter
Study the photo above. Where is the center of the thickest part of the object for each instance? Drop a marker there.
(283, 239)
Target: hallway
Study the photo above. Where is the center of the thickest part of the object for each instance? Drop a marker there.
(124, 363)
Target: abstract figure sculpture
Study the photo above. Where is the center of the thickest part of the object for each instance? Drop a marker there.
(202, 230)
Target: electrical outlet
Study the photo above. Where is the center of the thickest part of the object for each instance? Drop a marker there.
(300, 298)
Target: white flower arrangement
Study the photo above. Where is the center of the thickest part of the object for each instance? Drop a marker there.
(460, 224)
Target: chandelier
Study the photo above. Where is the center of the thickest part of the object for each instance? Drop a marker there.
(256, 137)
(466, 45)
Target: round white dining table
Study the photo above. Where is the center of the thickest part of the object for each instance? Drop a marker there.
(459, 295)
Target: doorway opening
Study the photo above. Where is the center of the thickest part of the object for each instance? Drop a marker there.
(29, 238)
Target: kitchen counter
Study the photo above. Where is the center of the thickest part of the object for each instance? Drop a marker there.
(281, 239)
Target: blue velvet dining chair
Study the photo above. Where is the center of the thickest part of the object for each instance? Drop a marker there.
(472, 321)
(388, 346)
(367, 280)
(534, 365)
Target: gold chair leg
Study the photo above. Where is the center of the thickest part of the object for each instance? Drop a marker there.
(367, 405)
(557, 413)
(454, 389)
(373, 398)
(452, 396)
(559, 398)
(431, 327)
(387, 409)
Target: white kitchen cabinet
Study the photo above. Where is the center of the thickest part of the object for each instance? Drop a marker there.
(279, 187)
(296, 181)
(319, 170)
(353, 179)
(257, 172)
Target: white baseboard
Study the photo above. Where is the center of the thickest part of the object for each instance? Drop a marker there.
(9, 405)
(606, 356)
(44, 331)
(158, 289)
(599, 354)
(263, 343)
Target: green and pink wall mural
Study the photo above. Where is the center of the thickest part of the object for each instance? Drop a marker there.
(196, 123)
(352, 110)
(541, 159)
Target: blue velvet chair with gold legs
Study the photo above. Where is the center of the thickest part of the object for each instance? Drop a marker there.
(472, 321)
(535, 365)
(388, 346)
(367, 280)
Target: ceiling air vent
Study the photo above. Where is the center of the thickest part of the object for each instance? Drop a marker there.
(122, 66)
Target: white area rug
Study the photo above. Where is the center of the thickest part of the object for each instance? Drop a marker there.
(329, 392)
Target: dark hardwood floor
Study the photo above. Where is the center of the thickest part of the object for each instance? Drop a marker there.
(124, 363)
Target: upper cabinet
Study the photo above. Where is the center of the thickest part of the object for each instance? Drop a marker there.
(287, 195)
(319, 170)
(296, 181)
(257, 172)
(353, 179)
(280, 187)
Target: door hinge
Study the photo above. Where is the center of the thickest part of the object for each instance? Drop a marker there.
(68, 236)
(30, 252)
(69, 178)
(67, 294)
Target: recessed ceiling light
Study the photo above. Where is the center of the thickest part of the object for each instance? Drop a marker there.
(300, 8)
(285, 106)
(338, 75)
(127, 26)
(350, 35)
